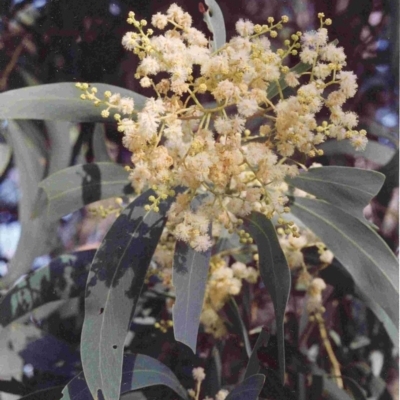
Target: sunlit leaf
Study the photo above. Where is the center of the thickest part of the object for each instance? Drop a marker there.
(72, 188)
(65, 277)
(362, 251)
(189, 277)
(274, 272)
(253, 366)
(114, 283)
(214, 19)
(58, 101)
(138, 371)
(249, 389)
(350, 189)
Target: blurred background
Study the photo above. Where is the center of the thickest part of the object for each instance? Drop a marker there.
(48, 41)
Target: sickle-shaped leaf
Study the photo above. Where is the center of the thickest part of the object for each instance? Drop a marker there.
(139, 371)
(214, 19)
(350, 189)
(114, 283)
(249, 389)
(274, 272)
(58, 101)
(39, 236)
(362, 252)
(64, 278)
(189, 277)
(72, 188)
(253, 366)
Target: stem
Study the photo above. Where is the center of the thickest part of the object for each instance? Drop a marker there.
(10, 66)
(328, 347)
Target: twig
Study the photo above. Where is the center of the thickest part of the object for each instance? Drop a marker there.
(10, 66)
(329, 350)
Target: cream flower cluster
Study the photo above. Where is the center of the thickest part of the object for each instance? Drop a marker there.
(224, 281)
(196, 131)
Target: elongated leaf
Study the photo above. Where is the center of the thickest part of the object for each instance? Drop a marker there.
(38, 237)
(357, 392)
(233, 314)
(100, 151)
(374, 151)
(350, 189)
(58, 101)
(274, 272)
(362, 252)
(331, 390)
(214, 19)
(253, 366)
(139, 371)
(249, 389)
(74, 187)
(64, 278)
(189, 277)
(114, 283)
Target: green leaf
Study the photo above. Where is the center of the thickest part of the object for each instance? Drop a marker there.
(64, 278)
(253, 366)
(350, 189)
(113, 288)
(39, 236)
(189, 277)
(249, 389)
(74, 187)
(377, 129)
(100, 151)
(5, 157)
(60, 145)
(239, 326)
(138, 371)
(374, 151)
(362, 252)
(274, 272)
(214, 19)
(58, 101)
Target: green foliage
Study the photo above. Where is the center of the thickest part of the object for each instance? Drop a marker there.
(113, 288)
(189, 277)
(138, 371)
(214, 19)
(350, 189)
(72, 188)
(249, 389)
(57, 101)
(359, 248)
(274, 272)
(64, 278)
